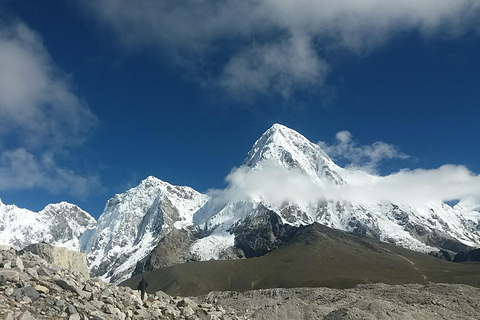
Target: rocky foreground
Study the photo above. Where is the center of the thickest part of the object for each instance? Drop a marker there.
(32, 287)
(35, 286)
(364, 302)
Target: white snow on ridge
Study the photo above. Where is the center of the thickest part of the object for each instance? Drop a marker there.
(60, 224)
(134, 221)
(399, 223)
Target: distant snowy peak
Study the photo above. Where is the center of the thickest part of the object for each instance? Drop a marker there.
(69, 212)
(134, 221)
(59, 224)
(289, 149)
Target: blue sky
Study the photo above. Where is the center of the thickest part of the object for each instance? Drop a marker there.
(97, 95)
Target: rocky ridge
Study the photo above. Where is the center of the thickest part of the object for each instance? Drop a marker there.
(34, 288)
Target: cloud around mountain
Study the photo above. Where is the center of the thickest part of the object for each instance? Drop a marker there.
(275, 184)
(365, 157)
(284, 166)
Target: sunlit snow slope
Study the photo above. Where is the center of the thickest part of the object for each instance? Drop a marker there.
(427, 227)
(60, 224)
(283, 173)
(133, 222)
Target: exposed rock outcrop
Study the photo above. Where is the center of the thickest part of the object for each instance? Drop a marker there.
(62, 257)
(468, 256)
(259, 235)
(172, 249)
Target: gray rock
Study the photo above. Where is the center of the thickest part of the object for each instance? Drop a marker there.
(26, 316)
(25, 300)
(71, 309)
(31, 292)
(32, 273)
(186, 302)
(7, 247)
(87, 287)
(8, 275)
(67, 285)
(59, 304)
(70, 260)
(188, 311)
(8, 291)
(19, 264)
(349, 314)
(108, 309)
(43, 271)
(74, 316)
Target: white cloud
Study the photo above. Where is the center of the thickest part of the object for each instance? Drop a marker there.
(260, 46)
(20, 169)
(366, 157)
(36, 101)
(40, 115)
(274, 184)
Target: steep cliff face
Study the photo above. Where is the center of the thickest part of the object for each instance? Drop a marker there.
(132, 224)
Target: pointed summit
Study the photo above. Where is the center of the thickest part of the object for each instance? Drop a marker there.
(291, 150)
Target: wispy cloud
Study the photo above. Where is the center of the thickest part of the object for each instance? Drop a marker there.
(40, 115)
(20, 169)
(366, 157)
(258, 47)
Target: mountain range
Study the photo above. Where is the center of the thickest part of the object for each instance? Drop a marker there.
(285, 182)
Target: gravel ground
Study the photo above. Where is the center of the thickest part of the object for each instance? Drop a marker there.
(375, 301)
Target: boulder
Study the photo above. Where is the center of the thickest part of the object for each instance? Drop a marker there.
(62, 257)
(9, 275)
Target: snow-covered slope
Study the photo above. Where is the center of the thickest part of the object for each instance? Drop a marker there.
(59, 224)
(428, 227)
(290, 150)
(133, 222)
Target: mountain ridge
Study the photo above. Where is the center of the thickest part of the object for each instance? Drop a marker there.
(133, 223)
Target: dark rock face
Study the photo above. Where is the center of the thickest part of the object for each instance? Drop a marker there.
(436, 238)
(172, 249)
(261, 234)
(443, 254)
(468, 256)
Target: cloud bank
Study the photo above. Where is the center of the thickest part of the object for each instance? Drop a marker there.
(256, 47)
(40, 116)
(273, 184)
(365, 157)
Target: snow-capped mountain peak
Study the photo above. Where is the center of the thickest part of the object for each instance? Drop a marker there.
(289, 149)
(134, 221)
